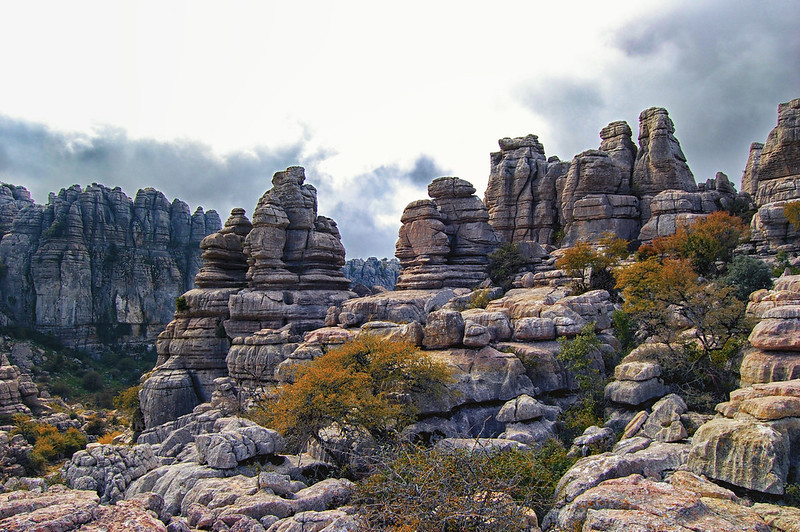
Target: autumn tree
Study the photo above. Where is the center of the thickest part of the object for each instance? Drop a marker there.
(707, 241)
(792, 212)
(668, 297)
(365, 384)
(591, 265)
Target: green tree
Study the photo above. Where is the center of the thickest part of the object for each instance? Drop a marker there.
(504, 263)
(365, 384)
(746, 275)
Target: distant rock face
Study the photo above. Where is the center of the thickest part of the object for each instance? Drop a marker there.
(93, 267)
(445, 241)
(372, 272)
(262, 285)
(772, 177)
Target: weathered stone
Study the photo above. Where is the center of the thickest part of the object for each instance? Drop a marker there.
(108, 469)
(523, 408)
(637, 371)
(660, 163)
(637, 503)
(445, 241)
(635, 393)
(779, 330)
(741, 452)
(444, 328)
(94, 267)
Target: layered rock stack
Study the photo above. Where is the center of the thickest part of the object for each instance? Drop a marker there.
(18, 393)
(295, 260)
(261, 286)
(445, 241)
(94, 267)
(775, 341)
(193, 346)
(772, 176)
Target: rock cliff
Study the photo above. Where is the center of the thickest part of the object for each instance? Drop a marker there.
(772, 177)
(93, 266)
(372, 272)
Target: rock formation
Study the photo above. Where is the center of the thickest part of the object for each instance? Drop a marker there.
(93, 267)
(636, 194)
(372, 272)
(772, 176)
(445, 241)
(262, 285)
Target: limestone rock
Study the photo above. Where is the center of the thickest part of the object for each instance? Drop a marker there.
(225, 449)
(64, 509)
(18, 393)
(743, 453)
(772, 177)
(637, 503)
(372, 272)
(444, 328)
(660, 163)
(94, 267)
(634, 393)
(108, 469)
(445, 241)
(521, 194)
(779, 330)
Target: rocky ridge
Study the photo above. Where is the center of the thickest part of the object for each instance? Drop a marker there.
(94, 267)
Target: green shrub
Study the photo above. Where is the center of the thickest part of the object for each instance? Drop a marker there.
(180, 304)
(575, 355)
(92, 381)
(504, 263)
(423, 489)
(746, 275)
(781, 263)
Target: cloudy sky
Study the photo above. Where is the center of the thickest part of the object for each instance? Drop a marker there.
(206, 100)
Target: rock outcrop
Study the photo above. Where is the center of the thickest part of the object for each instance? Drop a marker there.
(772, 177)
(93, 266)
(521, 195)
(754, 444)
(445, 241)
(18, 393)
(774, 354)
(273, 278)
(637, 194)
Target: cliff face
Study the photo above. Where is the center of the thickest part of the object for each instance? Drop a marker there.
(93, 266)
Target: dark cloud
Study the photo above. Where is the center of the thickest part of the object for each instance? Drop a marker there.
(44, 160)
(376, 195)
(424, 171)
(720, 68)
(571, 106)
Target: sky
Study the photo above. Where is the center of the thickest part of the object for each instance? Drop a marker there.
(205, 101)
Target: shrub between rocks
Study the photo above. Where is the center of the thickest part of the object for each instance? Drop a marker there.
(443, 489)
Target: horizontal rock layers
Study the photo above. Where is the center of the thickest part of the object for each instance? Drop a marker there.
(445, 241)
(273, 278)
(95, 267)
